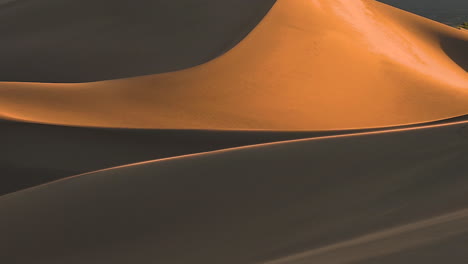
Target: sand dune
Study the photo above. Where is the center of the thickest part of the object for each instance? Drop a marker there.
(90, 40)
(404, 191)
(308, 65)
(34, 154)
(335, 132)
(389, 241)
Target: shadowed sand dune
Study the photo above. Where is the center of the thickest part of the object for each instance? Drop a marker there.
(89, 40)
(370, 198)
(308, 65)
(381, 245)
(314, 139)
(34, 154)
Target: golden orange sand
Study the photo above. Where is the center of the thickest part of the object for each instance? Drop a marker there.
(309, 65)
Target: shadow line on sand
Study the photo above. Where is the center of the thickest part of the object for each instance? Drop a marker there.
(35, 154)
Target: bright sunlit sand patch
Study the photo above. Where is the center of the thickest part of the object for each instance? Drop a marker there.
(309, 65)
(309, 142)
(387, 37)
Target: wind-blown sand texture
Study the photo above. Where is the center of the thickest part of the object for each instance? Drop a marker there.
(273, 132)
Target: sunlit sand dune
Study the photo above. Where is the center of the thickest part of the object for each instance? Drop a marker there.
(385, 197)
(308, 65)
(335, 132)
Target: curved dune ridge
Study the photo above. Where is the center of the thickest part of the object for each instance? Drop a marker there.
(382, 197)
(335, 132)
(35, 154)
(308, 65)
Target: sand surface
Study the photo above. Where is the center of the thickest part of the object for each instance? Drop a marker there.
(345, 199)
(35, 154)
(308, 65)
(266, 132)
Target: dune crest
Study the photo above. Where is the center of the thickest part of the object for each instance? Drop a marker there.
(390, 38)
(78, 150)
(308, 65)
(335, 132)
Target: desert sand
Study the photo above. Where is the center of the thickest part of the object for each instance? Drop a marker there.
(287, 132)
(396, 195)
(310, 65)
(35, 153)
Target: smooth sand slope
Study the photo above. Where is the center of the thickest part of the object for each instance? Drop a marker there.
(34, 154)
(90, 40)
(391, 197)
(311, 68)
(308, 65)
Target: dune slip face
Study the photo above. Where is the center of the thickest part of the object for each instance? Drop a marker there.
(308, 65)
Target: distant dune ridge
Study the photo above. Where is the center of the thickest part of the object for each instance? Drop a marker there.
(310, 65)
(287, 132)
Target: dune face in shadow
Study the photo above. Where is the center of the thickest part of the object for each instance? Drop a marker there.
(457, 50)
(35, 154)
(308, 65)
(379, 196)
(335, 132)
(89, 40)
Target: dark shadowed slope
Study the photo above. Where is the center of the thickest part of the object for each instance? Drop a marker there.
(456, 49)
(376, 196)
(34, 154)
(86, 40)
